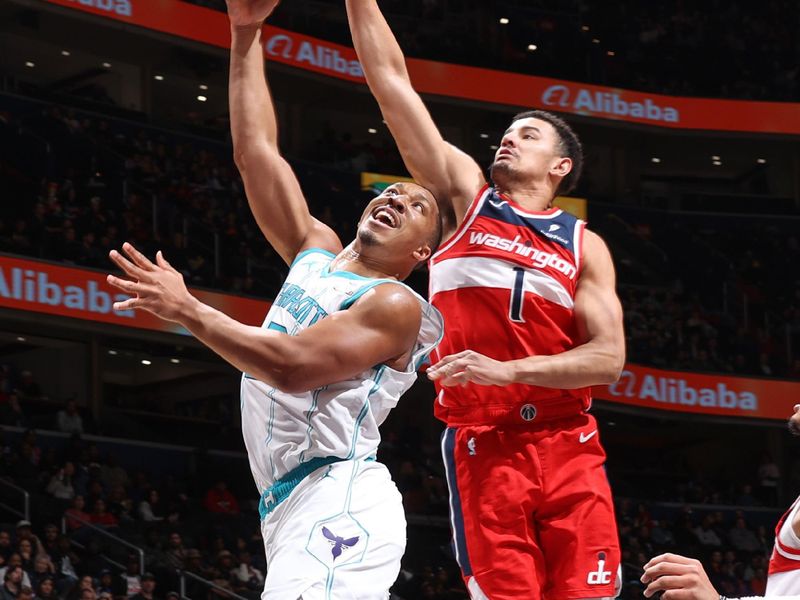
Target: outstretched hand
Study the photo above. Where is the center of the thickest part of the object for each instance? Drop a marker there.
(250, 12)
(156, 287)
(470, 367)
(678, 577)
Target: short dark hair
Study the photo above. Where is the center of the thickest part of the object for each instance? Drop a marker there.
(569, 145)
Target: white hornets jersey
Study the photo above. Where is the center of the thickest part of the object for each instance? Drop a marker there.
(284, 431)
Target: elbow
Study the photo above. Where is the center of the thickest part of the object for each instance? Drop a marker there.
(246, 154)
(613, 368)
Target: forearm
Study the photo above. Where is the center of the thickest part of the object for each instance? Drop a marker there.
(252, 112)
(376, 46)
(252, 350)
(587, 365)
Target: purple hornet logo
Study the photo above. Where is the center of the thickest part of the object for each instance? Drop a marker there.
(338, 543)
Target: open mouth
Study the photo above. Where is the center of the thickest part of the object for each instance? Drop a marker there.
(386, 216)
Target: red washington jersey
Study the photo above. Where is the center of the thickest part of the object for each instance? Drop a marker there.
(784, 565)
(505, 283)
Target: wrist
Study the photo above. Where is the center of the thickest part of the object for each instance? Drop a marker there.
(188, 311)
(246, 29)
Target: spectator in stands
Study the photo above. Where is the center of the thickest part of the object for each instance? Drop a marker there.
(132, 577)
(246, 579)
(176, 553)
(42, 568)
(768, 476)
(16, 572)
(60, 485)
(148, 586)
(101, 517)
(46, 590)
(112, 474)
(705, 534)
(742, 538)
(11, 413)
(50, 539)
(220, 500)
(24, 532)
(65, 561)
(5, 547)
(69, 419)
(76, 516)
(25, 593)
(150, 508)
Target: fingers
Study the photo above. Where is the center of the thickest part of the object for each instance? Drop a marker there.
(669, 557)
(130, 287)
(666, 583)
(666, 568)
(137, 257)
(130, 269)
(129, 304)
(447, 360)
(162, 262)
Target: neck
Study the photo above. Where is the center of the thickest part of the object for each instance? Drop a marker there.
(533, 197)
(354, 259)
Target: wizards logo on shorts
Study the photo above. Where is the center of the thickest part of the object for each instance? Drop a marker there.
(339, 543)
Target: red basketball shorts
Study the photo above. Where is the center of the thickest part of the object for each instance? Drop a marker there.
(531, 510)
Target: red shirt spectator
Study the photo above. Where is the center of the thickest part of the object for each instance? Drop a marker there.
(220, 500)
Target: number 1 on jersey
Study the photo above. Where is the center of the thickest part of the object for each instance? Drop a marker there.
(517, 295)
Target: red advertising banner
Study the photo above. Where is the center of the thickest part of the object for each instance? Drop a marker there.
(513, 89)
(82, 294)
(722, 395)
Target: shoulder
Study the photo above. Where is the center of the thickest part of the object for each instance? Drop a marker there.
(390, 305)
(597, 259)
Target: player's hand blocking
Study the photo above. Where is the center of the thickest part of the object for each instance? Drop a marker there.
(157, 287)
(250, 12)
(471, 367)
(678, 577)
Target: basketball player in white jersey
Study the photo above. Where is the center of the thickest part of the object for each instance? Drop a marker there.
(338, 347)
(681, 578)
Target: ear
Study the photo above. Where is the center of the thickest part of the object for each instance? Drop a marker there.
(562, 167)
(422, 253)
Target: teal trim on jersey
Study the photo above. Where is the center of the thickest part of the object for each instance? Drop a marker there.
(270, 426)
(280, 490)
(305, 253)
(364, 410)
(276, 327)
(375, 283)
(424, 358)
(314, 400)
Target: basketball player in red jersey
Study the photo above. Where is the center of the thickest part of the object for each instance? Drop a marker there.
(532, 320)
(681, 578)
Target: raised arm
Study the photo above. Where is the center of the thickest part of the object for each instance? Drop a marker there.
(273, 191)
(453, 176)
(599, 360)
(381, 327)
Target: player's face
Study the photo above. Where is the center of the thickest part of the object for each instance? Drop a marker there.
(794, 421)
(404, 217)
(529, 152)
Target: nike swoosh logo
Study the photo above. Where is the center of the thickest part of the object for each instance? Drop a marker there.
(585, 438)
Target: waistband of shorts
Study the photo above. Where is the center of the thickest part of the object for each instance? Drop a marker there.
(280, 490)
(529, 414)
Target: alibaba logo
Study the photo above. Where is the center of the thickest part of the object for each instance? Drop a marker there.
(279, 45)
(624, 385)
(556, 94)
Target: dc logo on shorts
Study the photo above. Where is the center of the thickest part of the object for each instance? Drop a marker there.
(339, 543)
(528, 412)
(601, 576)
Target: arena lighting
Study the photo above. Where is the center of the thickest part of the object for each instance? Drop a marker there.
(532, 47)
(584, 28)
(21, 339)
(611, 53)
(30, 64)
(715, 157)
(655, 159)
(761, 161)
(159, 78)
(175, 361)
(493, 147)
(503, 21)
(717, 163)
(595, 41)
(65, 53)
(485, 136)
(372, 130)
(112, 352)
(146, 362)
(203, 86)
(202, 98)
(107, 65)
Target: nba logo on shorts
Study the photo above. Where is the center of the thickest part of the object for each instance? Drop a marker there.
(528, 412)
(599, 577)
